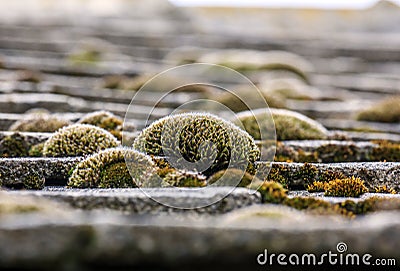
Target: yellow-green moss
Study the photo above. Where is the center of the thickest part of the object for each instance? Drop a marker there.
(347, 187)
(230, 144)
(115, 176)
(317, 206)
(36, 150)
(106, 169)
(77, 140)
(271, 192)
(289, 125)
(39, 123)
(387, 110)
(105, 120)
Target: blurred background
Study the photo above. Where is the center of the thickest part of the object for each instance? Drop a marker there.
(336, 62)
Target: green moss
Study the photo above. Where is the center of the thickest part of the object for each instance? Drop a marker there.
(14, 145)
(115, 176)
(231, 177)
(199, 138)
(39, 123)
(89, 56)
(77, 140)
(386, 151)
(105, 120)
(13, 207)
(34, 182)
(271, 192)
(387, 110)
(105, 169)
(289, 125)
(347, 187)
(36, 150)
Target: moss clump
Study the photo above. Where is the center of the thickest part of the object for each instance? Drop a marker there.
(348, 187)
(231, 177)
(316, 186)
(271, 192)
(77, 140)
(384, 189)
(286, 153)
(250, 60)
(39, 123)
(278, 174)
(338, 153)
(302, 203)
(106, 169)
(29, 76)
(16, 205)
(199, 139)
(105, 120)
(34, 182)
(115, 176)
(307, 173)
(14, 145)
(247, 96)
(386, 151)
(387, 110)
(161, 83)
(114, 81)
(289, 125)
(371, 204)
(36, 150)
(317, 206)
(181, 178)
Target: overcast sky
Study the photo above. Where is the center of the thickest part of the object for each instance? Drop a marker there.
(283, 3)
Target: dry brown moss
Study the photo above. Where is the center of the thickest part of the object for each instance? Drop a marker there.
(387, 110)
(347, 187)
